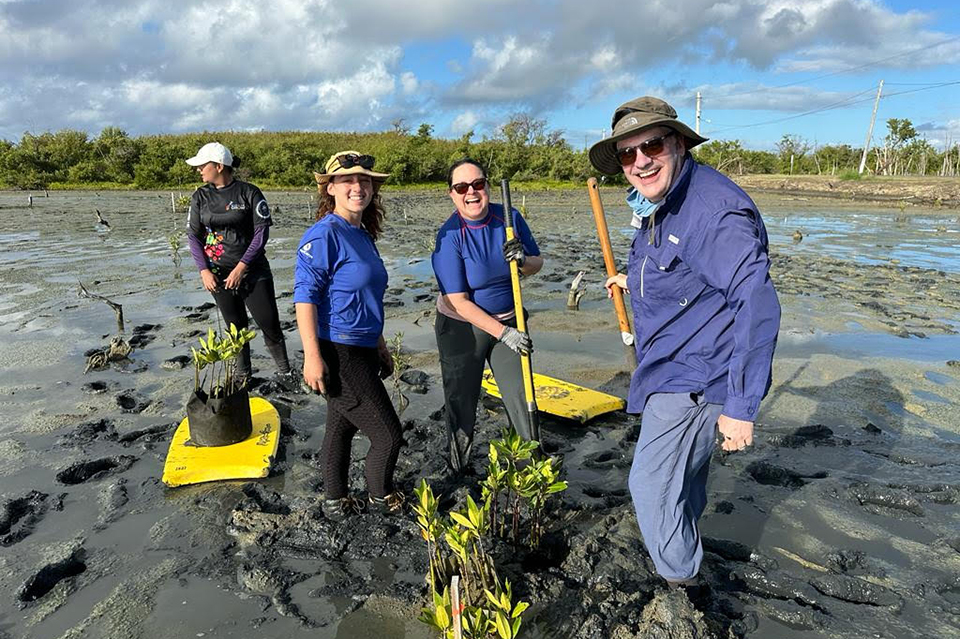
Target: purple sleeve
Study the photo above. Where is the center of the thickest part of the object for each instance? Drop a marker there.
(196, 250)
(261, 234)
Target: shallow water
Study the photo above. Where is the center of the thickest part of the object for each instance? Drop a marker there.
(838, 364)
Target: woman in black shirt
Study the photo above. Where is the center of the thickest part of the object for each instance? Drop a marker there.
(227, 229)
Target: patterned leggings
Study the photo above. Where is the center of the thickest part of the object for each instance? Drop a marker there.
(358, 401)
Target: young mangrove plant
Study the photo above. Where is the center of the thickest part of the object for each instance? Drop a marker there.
(220, 354)
(431, 528)
(518, 482)
(175, 243)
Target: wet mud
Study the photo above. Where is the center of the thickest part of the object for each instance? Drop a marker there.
(840, 521)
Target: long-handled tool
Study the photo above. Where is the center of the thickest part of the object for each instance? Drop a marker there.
(593, 188)
(521, 320)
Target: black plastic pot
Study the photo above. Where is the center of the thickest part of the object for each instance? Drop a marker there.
(219, 421)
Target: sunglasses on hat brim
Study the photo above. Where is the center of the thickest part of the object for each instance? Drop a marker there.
(351, 160)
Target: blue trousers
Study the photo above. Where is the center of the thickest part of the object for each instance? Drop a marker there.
(668, 479)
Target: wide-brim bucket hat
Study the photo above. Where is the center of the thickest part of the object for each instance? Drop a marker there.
(349, 163)
(631, 118)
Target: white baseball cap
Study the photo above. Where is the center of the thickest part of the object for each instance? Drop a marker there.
(212, 152)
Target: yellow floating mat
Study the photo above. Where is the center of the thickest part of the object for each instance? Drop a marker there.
(564, 399)
(249, 459)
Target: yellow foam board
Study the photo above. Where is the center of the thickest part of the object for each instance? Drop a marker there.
(249, 459)
(557, 397)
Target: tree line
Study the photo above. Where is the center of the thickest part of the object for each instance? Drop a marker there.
(523, 149)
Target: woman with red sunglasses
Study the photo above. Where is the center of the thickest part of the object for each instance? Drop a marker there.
(476, 323)
(339, 282)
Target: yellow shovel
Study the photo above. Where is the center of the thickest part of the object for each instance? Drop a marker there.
(557, 396)
(528, 388)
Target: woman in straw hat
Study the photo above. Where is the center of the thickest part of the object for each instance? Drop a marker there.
(338, 291)
(227, 230)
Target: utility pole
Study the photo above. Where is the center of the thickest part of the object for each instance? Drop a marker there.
(873, 118)
(698, 113)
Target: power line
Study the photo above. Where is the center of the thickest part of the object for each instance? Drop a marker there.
(850, 101)
(850, 70)
(934, 86)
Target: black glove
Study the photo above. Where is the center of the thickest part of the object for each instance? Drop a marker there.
(520, 343)
(513, 250)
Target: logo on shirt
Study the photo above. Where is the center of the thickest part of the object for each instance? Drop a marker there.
(305, 249)
(263, 210)
(234, 206)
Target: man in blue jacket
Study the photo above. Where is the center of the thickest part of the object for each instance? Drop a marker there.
(705, 315)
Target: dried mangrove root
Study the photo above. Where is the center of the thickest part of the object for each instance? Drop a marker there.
(117, 308)
(576, 292)
(119, 349)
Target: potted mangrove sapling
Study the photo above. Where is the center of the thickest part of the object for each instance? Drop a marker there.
(219, 409)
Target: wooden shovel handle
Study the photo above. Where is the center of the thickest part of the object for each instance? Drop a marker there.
(604, 235)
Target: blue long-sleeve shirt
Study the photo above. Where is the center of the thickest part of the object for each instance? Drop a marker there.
(340, 271)
(468, 258)
(706, 315)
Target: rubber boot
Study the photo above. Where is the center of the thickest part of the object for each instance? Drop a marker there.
(244, 367)
(278, 351)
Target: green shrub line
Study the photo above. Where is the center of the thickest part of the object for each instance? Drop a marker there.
(523, 150)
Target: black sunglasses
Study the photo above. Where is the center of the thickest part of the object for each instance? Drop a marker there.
(351, 160)
(462, 187)
(650, 148)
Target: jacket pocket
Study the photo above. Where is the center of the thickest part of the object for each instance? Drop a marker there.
(664, 276)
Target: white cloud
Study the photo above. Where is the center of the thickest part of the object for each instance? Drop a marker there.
(408, 81)
(466, 121)
(154, 65)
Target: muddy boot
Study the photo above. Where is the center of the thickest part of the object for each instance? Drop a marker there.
(278, 351)
(696, 589)
(460, 445)
(391, 504)
(340, 509)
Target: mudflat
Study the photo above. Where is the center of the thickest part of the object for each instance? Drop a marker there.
(840, 521)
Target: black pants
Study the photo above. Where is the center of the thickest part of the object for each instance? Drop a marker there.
(258, 295)
(464, 349)
(358, 401)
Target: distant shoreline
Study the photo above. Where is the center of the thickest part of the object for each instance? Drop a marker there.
(902, 192)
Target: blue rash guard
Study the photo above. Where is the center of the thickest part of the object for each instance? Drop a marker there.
(705, 311)
(339, 270)
(468, 258)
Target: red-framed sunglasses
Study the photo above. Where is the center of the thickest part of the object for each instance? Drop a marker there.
(462, 187)
(650, 148)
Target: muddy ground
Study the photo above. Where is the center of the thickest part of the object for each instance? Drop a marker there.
(901, 192)
(841, 521)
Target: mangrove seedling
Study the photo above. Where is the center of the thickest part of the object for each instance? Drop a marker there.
(506, 616)
(220, 354)
(175, 244)
(431, 527)
(439, 617)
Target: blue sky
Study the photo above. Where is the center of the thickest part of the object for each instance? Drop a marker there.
(162, 66)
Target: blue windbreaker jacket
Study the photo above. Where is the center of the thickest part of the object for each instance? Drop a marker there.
(706, 315)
